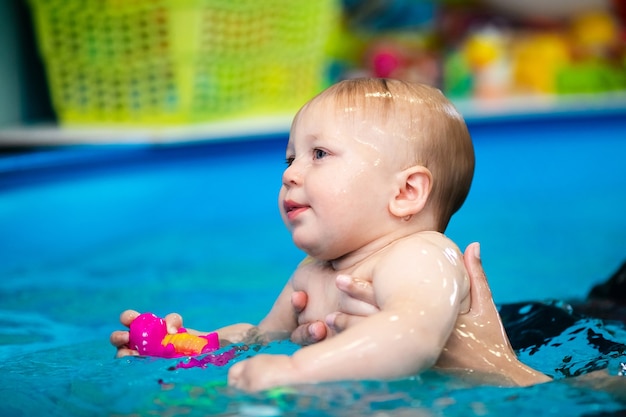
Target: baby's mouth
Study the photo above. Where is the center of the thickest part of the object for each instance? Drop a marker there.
(293, 209)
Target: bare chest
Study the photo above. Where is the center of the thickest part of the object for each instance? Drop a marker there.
(318, 281)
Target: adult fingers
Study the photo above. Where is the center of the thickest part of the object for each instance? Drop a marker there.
(480, 294)
(474, 266)
(355, 307)
(356, 288)
(483, 311)
(309, 333)
(356, 296)
(299, 300)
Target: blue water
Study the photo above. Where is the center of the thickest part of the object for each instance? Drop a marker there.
(88, 232)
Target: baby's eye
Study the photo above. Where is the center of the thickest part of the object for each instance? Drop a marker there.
(319, 153)
(289, 160)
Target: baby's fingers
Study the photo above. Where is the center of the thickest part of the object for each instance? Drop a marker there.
(119, 338)
(174, 322)
(126, 352)
(128, 316)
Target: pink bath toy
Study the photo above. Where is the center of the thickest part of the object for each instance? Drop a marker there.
(149, 336)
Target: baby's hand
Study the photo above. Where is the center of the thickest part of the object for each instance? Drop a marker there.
(119, 338)
(262, 372)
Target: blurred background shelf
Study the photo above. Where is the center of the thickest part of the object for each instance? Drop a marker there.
(28, 117)
(52, 134)
(473, 110)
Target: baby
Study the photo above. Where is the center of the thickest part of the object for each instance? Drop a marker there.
(375, 170)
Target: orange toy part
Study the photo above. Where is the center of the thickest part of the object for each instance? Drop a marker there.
(185, 343)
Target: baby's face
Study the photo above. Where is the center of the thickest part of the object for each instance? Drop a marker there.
(336, 188)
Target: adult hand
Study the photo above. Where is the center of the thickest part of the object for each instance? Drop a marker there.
(479, 341)
(119, 338)
(306, 334)
(356, 301)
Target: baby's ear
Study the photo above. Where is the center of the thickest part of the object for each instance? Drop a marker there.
(414, 185)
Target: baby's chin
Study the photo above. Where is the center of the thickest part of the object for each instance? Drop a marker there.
(313, 251)
(316, 247)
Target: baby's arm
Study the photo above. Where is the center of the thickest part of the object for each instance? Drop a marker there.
(279, 320)
(277, 324)
(419, 296)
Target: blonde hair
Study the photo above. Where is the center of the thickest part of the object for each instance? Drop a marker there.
(437, 135)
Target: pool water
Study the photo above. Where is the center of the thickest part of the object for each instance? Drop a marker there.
(87, 232)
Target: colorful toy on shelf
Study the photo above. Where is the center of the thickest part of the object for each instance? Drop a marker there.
(149, 336)
(458, 79)
(537, 60)
(408, 58)
(486, 54)
(484, 47)
(595, 34)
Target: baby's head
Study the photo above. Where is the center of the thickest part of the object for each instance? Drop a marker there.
(417, 125)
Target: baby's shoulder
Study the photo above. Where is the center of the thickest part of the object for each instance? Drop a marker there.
(426, 258)
(429, 254)
(428, 240)
(424, 250)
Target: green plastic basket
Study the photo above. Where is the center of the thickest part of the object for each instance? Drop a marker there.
(159, 62)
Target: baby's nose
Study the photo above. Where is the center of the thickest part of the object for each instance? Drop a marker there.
(291, 176)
